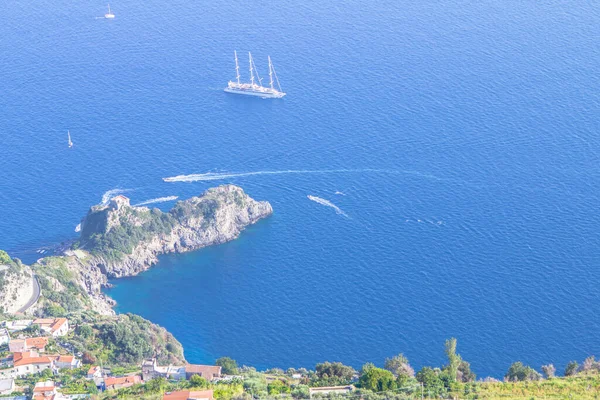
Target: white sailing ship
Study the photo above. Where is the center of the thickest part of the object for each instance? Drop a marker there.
(69, 137)
(253, 88)
(109, 14)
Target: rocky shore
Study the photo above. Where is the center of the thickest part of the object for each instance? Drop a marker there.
(119, 240)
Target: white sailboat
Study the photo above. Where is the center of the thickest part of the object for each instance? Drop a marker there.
(109, 14)
(69, 136)
(253, 88)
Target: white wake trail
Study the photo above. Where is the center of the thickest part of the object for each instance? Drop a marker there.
(112, 193)
(215, 176)
(157, 200)
(328, 204)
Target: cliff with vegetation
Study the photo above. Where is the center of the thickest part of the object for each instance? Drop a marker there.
(120, 240)
(17, 285)
(125, 240)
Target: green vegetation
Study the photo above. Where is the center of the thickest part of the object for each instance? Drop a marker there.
(228, 365)
(332, 374)
(115, 233)
(5, 258)
(134, 225)
(125, 341)
(62, 294)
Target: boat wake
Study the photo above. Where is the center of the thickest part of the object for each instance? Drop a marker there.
(112, 193)
(327, 203)
(157, 200)
(216, 176)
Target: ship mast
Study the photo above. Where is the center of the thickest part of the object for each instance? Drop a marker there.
(251, 71)
(271, 73)
(275, 73)
(257, 75)
(237, 67)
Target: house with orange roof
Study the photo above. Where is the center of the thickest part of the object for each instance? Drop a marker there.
(53, 326)
(95, 374)
(115, 383)
(30, 362)
(21, 345)
(47, 391)
(68, 362)
(208, 372)
(189, 395)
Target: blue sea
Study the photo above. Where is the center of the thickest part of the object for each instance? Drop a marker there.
(459, 141)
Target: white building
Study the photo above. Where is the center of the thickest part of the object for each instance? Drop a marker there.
(7, 386)
(18, 325)
(68, 362)
(4, 337)
(53, 326)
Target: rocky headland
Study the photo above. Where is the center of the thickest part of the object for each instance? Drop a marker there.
(119, 240)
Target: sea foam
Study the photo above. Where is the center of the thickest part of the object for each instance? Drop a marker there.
(112, 193)
(328, 204)
(215, 176)
(157, 200)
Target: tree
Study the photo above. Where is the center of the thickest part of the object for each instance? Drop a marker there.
(228, 365)
(571, 368)
(277, 387)
(454, 359)
(300, 392)
(520, 372)
(85, 331)
(589, 364)
(399, 366)
(55, 310)
(4, 257)
(464, 372)
(331, 374)
(156, 385)
(549, 371)
(199, 382)
(376, 379)
(431, 381)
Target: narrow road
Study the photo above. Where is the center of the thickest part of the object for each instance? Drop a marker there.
(34, 297)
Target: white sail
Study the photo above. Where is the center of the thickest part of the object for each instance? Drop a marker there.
(69, 137)
(253, 88)
(109, 14)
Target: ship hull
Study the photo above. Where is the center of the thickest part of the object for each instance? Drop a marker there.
(264, 95)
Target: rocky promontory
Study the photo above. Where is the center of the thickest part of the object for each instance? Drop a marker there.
(125, 240)
(119, 240)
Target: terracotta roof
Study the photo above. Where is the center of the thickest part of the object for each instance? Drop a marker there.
(42, 397)
(58, 323)
(93, 369)
(32, 360)
(37, 342)
(189, 395)
(122, 380)
(206, 371)
(65, 359)
(44, 388)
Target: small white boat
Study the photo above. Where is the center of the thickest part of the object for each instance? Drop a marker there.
(109, 14)
(69, 136)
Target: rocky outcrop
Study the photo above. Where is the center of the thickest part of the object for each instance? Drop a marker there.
(17, 287)
(218, 216)
(119, 240)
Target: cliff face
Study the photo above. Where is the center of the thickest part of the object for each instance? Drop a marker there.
(119, 240)
(16, 286)
(126, 240)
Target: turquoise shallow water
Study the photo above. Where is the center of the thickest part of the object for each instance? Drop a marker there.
(463, 136)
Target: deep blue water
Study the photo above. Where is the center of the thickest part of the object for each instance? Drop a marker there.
(469, 135)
